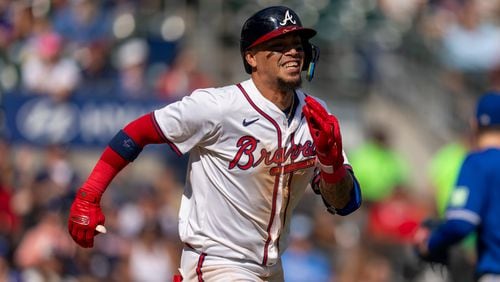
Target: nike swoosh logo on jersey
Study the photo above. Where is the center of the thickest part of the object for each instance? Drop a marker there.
(247, 123)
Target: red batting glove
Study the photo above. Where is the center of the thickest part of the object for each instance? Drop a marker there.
(85, 214)
(325, 131)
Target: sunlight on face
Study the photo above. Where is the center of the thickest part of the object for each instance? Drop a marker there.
(280, 61)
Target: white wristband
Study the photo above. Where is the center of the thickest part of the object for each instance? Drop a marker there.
(325, 168)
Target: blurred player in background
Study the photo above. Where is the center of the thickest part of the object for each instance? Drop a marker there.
(473, 204)
(254, 148)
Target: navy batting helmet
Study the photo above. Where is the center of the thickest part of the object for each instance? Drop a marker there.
(272, 22)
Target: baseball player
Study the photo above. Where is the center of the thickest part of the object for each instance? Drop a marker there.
(254, 147)
(473, 204)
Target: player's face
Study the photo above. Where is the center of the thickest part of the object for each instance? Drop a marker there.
(280, 61)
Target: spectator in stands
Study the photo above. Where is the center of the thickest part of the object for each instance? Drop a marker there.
(464, 40)
(6, 36)
(303, 261)
(443, 171)
(182, 77)
(392, 211)
(7, 272)
(47, 71)
(467, 36)
(21, 20)
(83, 21)
(43, 249)
(368, 159)
(471, 43)
(150, 258)
(98, 75)
(10, 223)
(56, 179)
(131, 60)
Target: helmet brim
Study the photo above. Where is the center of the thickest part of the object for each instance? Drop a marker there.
(304, 33)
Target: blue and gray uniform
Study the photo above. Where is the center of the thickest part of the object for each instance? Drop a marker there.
(474, 206)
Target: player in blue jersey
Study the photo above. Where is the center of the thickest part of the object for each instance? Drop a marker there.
(474, 202)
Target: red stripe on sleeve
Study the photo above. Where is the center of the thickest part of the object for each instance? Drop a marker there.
(172, 145)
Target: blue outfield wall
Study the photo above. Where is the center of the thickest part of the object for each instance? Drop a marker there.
(81, 121)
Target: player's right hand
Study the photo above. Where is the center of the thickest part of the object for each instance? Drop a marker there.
(84, 216)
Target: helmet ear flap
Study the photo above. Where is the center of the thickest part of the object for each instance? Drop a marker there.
(307, 53)
(311, 56)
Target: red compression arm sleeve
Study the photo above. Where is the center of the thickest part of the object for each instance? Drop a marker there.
(143, 131)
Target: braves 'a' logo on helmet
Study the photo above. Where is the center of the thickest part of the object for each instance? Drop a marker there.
(288, 17)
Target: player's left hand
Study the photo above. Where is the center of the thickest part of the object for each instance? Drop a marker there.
(325, 131)
(421, 240)
(421, 243)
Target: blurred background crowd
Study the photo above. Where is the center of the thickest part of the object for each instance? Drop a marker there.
(401, 75)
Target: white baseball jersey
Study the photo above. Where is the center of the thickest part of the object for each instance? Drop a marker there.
(248, 168)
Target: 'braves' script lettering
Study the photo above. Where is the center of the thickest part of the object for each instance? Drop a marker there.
(247, 147)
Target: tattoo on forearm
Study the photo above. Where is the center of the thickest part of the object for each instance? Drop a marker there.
(337, 194)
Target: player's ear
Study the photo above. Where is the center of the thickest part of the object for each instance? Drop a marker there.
(473, 125)
(474, 131)
(251, 59)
